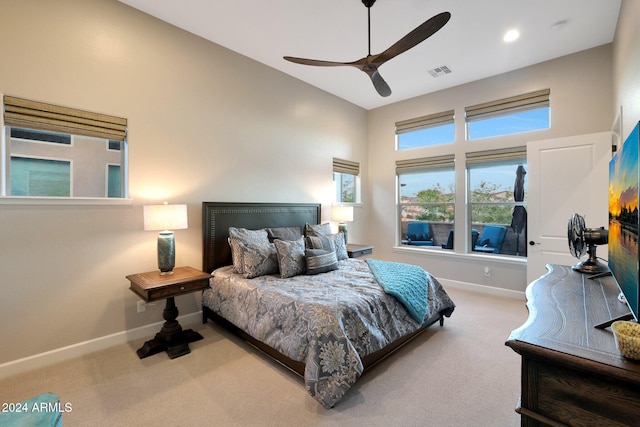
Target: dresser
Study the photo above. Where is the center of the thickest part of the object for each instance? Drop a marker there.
(572, 373)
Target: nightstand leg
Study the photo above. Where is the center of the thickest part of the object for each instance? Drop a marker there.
(171, 337)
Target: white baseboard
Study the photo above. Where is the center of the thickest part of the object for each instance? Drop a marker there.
(483, 289)
(80, 349)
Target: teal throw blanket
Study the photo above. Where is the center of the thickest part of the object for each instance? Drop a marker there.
(406, 282)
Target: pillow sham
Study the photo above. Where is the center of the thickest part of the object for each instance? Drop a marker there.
(330, 242)
(283, 233)
(243, 235)
(259, 260)
(317, 229)
(320, 261)
(291, 260)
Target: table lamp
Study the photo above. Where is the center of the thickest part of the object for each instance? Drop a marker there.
(342, 214)
(165, 218)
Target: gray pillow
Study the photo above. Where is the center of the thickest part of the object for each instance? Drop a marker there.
(317, 229)
(320, 261)
(291, 260)
(329, 242)
(243, 235)
(283, 233)
(259, 260)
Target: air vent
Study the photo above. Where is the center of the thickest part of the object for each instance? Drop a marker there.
(437, 72)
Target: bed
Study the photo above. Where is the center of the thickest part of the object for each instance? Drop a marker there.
(329, 328)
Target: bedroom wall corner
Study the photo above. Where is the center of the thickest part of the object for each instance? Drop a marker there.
(626, 60)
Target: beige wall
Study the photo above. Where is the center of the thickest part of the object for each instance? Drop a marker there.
(205, 124)
(581, 103)
(626, 65)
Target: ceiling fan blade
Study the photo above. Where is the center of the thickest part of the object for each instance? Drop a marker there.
(415, 37)
(316, 62)
(381, 86)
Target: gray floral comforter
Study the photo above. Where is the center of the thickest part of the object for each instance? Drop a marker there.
(328, 321)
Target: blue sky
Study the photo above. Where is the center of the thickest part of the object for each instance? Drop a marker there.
(503, 176)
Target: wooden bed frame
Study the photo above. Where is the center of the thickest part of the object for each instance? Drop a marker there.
(217, 217)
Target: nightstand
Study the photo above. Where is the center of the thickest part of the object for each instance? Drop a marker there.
(355, 251)
(153, 286)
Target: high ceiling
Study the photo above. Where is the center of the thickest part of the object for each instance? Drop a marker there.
(471, 44)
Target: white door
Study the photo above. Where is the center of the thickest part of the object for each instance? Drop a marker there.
(566, 176)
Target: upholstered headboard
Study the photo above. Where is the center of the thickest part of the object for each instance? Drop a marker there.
(217, 217)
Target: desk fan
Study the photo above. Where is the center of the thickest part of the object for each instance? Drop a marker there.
(581, 237)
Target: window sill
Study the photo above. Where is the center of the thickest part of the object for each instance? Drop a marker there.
(446, 253)
(64, 201)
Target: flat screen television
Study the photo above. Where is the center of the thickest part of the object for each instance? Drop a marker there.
(624, 178)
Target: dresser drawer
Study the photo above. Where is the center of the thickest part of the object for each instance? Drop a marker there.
(177, 289)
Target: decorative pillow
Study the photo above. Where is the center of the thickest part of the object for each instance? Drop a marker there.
(340, 245)
(330, 242)
(284, 233)
(320, 261)
(259, 260)
(317, 229)
(242, 235)
(291, 260)
(319, 242)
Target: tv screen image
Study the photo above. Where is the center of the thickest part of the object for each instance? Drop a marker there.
(624, 177)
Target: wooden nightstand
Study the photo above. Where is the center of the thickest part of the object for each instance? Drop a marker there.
(355, 251)
(153, 286)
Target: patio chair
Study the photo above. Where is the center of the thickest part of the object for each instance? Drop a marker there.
(490, 241)
(418, 234)
(449, 244)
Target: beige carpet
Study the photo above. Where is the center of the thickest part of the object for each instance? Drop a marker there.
(459, 375)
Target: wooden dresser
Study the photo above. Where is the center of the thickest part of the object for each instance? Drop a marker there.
(572, 373)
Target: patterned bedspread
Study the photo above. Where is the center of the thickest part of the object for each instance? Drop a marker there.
(328, 321)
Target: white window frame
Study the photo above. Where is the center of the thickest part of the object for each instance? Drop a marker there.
(5, 158)
(351, 168)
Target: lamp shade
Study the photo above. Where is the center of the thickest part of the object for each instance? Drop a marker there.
(342, 213)
(165, 217)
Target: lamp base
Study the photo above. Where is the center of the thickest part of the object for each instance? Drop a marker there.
(166, 252)
(342, 227)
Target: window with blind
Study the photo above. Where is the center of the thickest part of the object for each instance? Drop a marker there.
(425, 131)
(346, 180)
(522, 113)
(426, 200)
(62, 152)
(497, 197)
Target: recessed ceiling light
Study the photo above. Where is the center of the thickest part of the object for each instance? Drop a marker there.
(511, 35)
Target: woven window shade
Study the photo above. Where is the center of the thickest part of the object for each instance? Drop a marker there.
(346, 166)
(514, 104)
(27, 114)
(424, 163)
(492, 156)
(424, 122)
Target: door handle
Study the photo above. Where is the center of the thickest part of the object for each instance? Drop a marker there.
(531, 243)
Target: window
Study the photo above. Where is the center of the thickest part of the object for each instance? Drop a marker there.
(497, 197)
(426, 200)
(493, 185)
(425, 131)
(114, 181)
(40, 177)
(62, 152)
(346, 182)
(521, 113)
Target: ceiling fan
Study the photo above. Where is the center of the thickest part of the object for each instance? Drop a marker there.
(370, 63)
